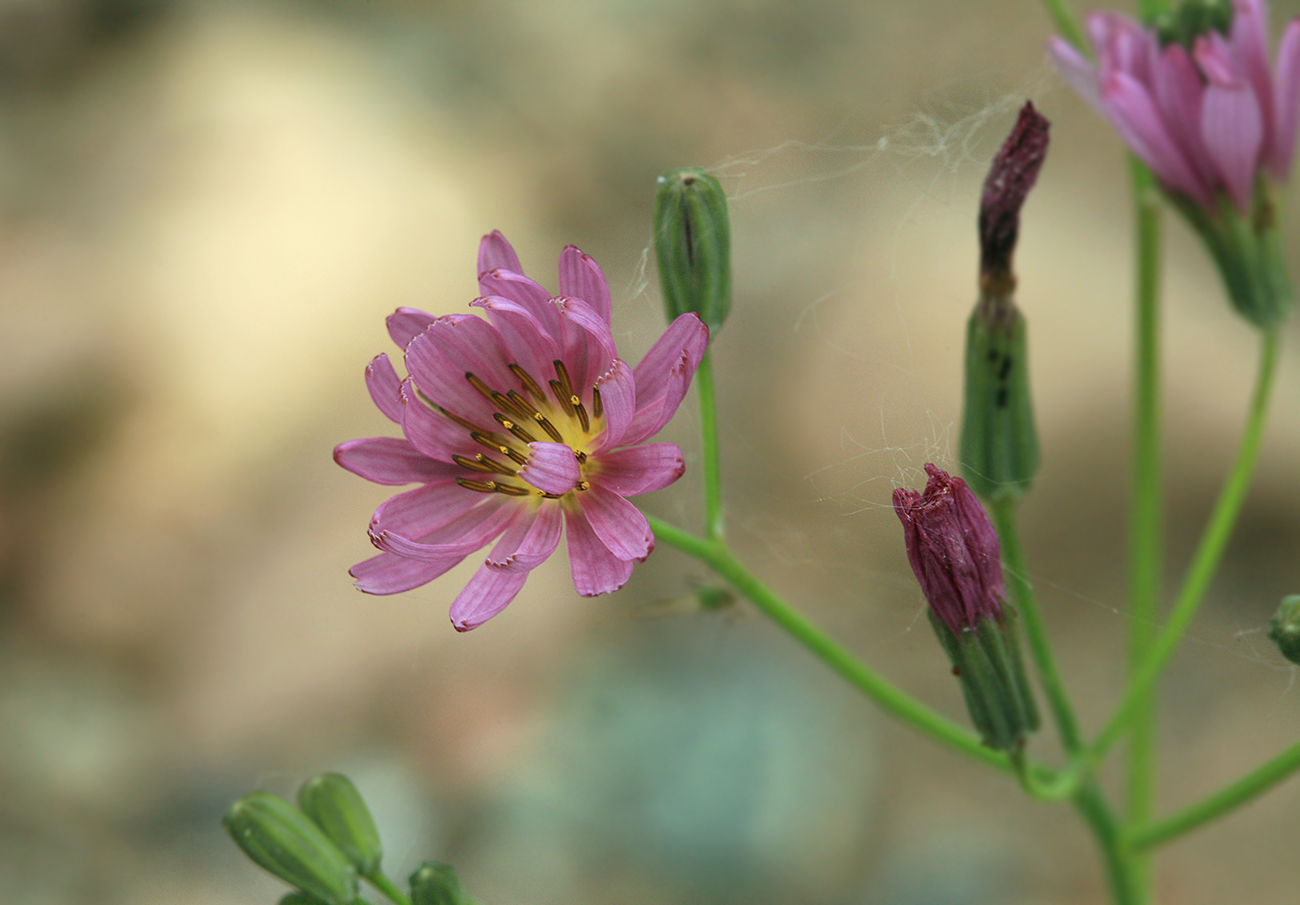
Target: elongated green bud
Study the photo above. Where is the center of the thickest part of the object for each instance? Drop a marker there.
(1284, 628)
(335, 805)
(999, 444)
(283, 840)
(693, 245)
(435, 883)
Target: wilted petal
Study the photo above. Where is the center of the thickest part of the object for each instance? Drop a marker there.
(582, 278)
(405, 324)
(389, 460)
(385, 387)
(552, 468)
(388, 573)
(488, 593)
(1232, 128)
(595, 569)
(620, 525)
(641, 469)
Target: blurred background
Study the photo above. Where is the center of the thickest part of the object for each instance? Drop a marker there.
(206, 211)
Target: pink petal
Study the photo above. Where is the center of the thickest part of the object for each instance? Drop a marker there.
(664, 375)
(453, 346)
(529, 542)
(1134, 116)
(618, 399)
(388, 573)
(1179, 92)
(385, 387)
(433, 435)
(388, 460)
(488, 593)
(588, 344)
(1077, 71)
(420, 512)
(1232, 128)
(1249, 44)
(463, 535)
(527, 344)
(640, 469)
(595, 569)
(405, 324)
(527, 293)
(551, 467)
(582, 278)
(495, 253)
(621, 526)
(1122, 46)
(1286, 101)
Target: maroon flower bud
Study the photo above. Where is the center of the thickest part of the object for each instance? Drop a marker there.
(955, 554)
(1012, 175)
(953, 550)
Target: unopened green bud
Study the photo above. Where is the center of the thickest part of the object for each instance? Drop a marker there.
(335, 805)
(436, 883)
(693, 245)
(1284, 628)
(987, 662)
(999, 443)
(283, 840)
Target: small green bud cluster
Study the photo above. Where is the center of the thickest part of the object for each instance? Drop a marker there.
(324, 843)
(1191, 20)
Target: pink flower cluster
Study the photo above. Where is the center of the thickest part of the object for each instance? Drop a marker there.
(515, 427)
(1205, 119)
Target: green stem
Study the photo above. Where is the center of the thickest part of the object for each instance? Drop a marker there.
(1146, 520)
(714, 521)
(379, 880)
(1204, 563)
(1064, 22)
(1022, 595)
(1250, 786)
(862, 677)
(1125, 889)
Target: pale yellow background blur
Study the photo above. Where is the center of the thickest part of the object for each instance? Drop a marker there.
(206, 211)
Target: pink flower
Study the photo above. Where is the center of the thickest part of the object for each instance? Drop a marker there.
(1204, 120)
(953, 549)
(516, 426)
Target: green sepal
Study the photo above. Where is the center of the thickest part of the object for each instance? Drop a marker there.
(1284, 628)
(693, 245)
(435, 883)
(282, 839)
(987, 663)
(334, 804)
(1248, 252)
(999, 443)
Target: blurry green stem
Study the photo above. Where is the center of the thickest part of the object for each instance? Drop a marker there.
(1124, 887)
(714, 521)
(1255, 783)
(1146, 521)
(1022, 595)
(379, 880)
(1204, 563)
(718, 557)
(1064, 22)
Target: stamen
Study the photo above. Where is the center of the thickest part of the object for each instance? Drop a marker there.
(491, 441)
(584, 485)
(548, 427)
(516, 457)
(513, 428)
(580, 456)
(507, 404)
(480, 486)
(562, 397)
(522, 404)
(481, 462)
(527, 380)
(471, 464)
(479, 385)
(566, 385)
(456, 418)
(597, 407)
(512, 490)
(581, 413)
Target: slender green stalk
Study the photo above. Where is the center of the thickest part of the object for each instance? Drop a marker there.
(1205, 562)
(1064, 22)
(714, 520)
(1022, 595)
(862, 677)
(1124, 886)
(379, 880)
(1234, 795)
(1146, 507)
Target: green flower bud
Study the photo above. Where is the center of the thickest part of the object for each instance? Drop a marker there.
(437, 884)
(283, 840)
(1284, 628)
(335, 805)
(999, 443)
(693, 245)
